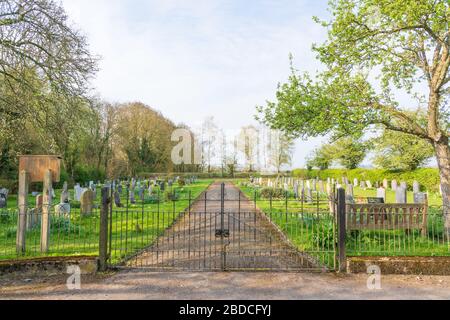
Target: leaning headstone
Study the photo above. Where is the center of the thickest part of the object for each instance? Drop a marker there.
(386, 184)
(381, 193)
(420, 198)
(401, 196)
(416, 187)
(87, 202)
(394, 185)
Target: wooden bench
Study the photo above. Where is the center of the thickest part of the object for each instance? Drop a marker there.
(387, 217)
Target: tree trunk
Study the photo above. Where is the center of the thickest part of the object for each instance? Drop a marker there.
(443, 157)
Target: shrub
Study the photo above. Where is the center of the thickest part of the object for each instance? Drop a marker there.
(274, 193)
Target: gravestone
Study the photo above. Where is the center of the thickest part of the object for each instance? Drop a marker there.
(141, 194)
(62, 209)
(363, 184)
(87, 202)
(78, 192)
(321, 187)
(349, 199)
(309, 195)
(420, 198)
(117, 200)
(65, 194)
(369, 184)
(329, 189)
(355, 182)
(381, 193)
(132, 196)
(162, 186)
(349, 190)
(394, 185)
(385, 184)
(296, 190)
(404, 185)
(416, 187)
(308, 184)
(3, 198)
(401, 196)
(375, 200)
(286, 187)
(150, 189)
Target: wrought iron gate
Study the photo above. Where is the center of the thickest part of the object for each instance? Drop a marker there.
(221, 231)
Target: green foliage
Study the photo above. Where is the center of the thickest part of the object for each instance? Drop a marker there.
(274, 193)
(349, 152)
(399, 151)
(320, 158)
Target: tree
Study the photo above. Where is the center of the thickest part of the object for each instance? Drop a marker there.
(349, 152)
(320, 158)
(399, 151)
(280, 149)
(248, 142)
(404, 45)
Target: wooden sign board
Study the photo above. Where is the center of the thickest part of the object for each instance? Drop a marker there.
(36, 166)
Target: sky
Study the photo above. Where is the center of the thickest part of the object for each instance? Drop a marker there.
(195, 59)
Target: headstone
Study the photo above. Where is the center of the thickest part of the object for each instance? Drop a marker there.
(363, 185)
(401, 196)
(420, 198)
(117, 200)
(141, 194)
(3, 198)
(286, 187)
(78, 191)
(381, 193)
(404, 185)
(369, 184)
(349, 190)
(87, 202)
(416, 187)
(349, 199)
(65, 194)
(120, 189)
(386, 184)
(62, 209)
(309, 195)
(314, 185)
(321, 187)
(296, 194)
(132, 197)
(394, 185)
(308, 184)
(355, 182)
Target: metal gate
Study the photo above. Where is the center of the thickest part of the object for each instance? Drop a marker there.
(222, 231)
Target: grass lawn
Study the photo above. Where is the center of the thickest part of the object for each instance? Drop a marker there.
(310, 227)
(133, 228)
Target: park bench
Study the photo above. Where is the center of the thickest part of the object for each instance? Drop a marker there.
(387, 217)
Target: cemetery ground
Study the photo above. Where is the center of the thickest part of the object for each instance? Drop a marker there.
(78, 234)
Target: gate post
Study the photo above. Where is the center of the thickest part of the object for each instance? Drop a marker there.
(342, 232)
(24, 181)
(103, 238)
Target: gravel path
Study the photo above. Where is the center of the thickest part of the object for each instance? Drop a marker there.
(251, 243)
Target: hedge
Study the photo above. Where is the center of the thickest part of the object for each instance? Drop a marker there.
(428, 177)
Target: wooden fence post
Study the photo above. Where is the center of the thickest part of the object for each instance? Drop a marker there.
(103, 239)
(342, 232)
(24, 180)
(46, 210)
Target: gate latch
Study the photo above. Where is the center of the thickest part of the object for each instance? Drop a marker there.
(225, 233)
